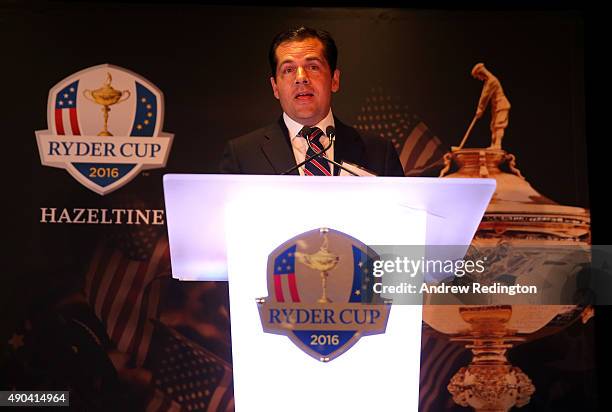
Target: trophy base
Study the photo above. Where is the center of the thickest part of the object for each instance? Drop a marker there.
(105, 133)
(490, 383)
(324, 300)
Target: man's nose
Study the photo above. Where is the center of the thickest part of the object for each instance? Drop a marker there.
(300, 76)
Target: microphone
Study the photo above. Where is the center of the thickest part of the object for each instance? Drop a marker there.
(306, 132)
(330, 131)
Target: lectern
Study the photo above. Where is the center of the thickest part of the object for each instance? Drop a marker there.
(224, 227)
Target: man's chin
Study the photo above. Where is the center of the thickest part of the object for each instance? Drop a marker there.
(303, 119)
(309, 118)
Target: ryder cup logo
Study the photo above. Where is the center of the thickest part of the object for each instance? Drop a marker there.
(320, 293)
(105, 126)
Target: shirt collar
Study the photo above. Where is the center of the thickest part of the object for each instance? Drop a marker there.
(295, 127)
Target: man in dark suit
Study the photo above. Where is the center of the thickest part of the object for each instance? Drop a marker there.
(304, 76)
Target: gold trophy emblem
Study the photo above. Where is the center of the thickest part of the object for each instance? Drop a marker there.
(323, 261)
(106, 96)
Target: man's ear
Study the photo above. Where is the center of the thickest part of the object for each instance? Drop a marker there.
(335, 86)
(274, 87)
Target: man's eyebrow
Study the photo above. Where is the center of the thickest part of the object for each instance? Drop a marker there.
(314, 58)
(310, 59)
(285, 62)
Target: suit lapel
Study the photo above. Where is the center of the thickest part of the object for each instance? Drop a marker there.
(348, 146)
(276, 147)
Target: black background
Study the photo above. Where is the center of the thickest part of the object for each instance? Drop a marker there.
(211, 64)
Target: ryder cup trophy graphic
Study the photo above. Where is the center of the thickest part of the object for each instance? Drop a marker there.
(526, 238)
(106, 96)
(323, 261)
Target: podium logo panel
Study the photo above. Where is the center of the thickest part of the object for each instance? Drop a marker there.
(320, 293)
(104, 127)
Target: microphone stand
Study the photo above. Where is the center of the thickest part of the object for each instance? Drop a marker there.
(309, 158)
(331, 142)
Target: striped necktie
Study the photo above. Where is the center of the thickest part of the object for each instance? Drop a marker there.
(318, 166)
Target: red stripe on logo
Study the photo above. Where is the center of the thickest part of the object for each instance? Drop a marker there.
(59, 123)
(74, 123)
(295, 296)
(278, 289)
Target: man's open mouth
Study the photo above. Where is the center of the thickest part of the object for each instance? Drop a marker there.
(304, 95)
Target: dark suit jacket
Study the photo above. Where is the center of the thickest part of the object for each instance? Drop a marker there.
(268, 151)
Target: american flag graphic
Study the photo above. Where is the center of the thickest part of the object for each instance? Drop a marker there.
(440, 360)
(418, 148)
(159, 402)
(188, 376)
(284, 268)
(123, 288)
(66, 121)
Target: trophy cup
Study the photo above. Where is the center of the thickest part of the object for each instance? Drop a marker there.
(106, 96)
(522, 220)
(323, 261)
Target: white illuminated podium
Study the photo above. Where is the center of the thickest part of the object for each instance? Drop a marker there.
(223, 227)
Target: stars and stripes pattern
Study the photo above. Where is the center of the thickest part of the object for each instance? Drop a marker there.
(158, 401)
(284, 268)
(361, 289)
(122, 286)
(418, 148)
(318, 166)
(421, 149)
(440, 360)
(188, 377)
(66, 121)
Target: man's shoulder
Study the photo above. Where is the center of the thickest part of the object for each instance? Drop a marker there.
(368, 150)
(255, 136)
(263, 151)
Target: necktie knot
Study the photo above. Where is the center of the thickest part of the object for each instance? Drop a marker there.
(313, 134)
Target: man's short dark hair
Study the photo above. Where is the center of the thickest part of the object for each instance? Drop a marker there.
(302, 33)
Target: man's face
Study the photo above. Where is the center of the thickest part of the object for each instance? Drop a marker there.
(304, 82)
